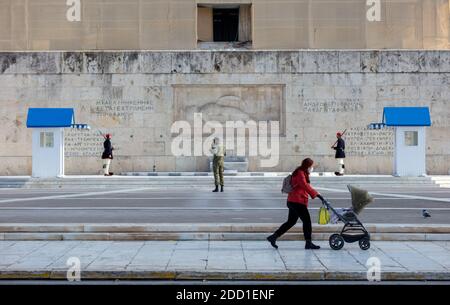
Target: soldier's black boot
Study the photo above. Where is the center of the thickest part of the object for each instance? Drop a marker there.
(310, 245)
(273, 240)
(216, 189)
(221, 188)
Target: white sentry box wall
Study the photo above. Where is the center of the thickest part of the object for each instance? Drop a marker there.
(48, 161)
(409, 160)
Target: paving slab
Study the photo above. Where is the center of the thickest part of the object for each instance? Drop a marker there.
(116, 257)
(86, 252)
(245, 260)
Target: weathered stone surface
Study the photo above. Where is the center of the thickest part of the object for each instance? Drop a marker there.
(389, 62)
(131, 62)
(288, 62)
(135, 95)
(319, 61)
(112, 62)
(72, 62)
(233, 62)
(93, 63)
(8, 63)
(429, 61)
(201, 62)
(181, 62)
(409, 62)
(45, 62)
(265, 62)
(155, 62)
(247, 260)
(444, 61)
(349, 61)
(370, 61)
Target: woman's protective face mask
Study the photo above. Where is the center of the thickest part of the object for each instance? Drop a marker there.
(310, 170)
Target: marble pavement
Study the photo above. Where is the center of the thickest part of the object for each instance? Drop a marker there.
(209, 260)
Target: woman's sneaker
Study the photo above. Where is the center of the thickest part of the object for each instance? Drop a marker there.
(273, 241)
(310, 245)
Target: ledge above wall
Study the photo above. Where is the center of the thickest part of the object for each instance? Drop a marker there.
(208, 62)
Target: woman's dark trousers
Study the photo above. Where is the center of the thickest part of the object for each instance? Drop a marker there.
(296, 210)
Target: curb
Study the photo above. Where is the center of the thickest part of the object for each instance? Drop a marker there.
(204, 179)
(168, 231)
(224, 275)
(201, 236)
(208, 227)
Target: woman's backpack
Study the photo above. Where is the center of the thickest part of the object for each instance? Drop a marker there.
(287, 186)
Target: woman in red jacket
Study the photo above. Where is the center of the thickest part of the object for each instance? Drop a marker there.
(297, 203)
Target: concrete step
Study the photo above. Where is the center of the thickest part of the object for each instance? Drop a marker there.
(250, 181)
(442, 181)
(169, 231)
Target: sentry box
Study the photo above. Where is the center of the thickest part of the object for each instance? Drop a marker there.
(48, 139)
(410, 146)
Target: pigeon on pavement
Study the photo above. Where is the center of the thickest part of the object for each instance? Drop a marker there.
(425, 214)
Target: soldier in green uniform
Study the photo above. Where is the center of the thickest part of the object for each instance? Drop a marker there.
(218, 151)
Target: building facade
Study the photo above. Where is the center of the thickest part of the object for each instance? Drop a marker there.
(134, 67)
(187, 24)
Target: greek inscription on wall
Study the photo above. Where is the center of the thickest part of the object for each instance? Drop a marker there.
(111, 107)
(121, 109)
(361, 141)
(79, 143)
(332, 106)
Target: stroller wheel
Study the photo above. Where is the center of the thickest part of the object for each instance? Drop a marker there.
(364, 243)
(336, 242)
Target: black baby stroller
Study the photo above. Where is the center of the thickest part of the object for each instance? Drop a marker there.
(353, 230)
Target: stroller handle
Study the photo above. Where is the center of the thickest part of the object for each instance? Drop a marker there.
(329, 207)
(326, 204)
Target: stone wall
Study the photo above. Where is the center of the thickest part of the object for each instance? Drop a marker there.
(136, 96)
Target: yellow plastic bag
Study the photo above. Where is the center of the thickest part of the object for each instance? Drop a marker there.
(324, 216)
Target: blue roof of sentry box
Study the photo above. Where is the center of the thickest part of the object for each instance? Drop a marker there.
(406, 116)
(50, 117)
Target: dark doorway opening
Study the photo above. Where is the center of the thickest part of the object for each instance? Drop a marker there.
(226, 24)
